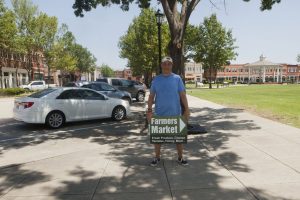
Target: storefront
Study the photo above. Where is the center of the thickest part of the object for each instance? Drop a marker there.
(12, 77)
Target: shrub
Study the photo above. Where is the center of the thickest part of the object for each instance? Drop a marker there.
(11, 91)
(190, 82)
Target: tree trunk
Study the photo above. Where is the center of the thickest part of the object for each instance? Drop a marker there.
(29, 75)
(1, 78)
(176, 52)
(177, 25)
(17, 77)
(210, 86)
(146, 79)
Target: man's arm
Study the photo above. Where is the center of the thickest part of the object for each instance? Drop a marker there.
(184, 102)
(150, 103)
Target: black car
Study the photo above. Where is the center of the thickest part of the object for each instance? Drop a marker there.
(135, 89)
(108, 90)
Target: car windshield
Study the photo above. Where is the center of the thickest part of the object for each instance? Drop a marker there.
(42, 93)
(107, 87)
(102, 80)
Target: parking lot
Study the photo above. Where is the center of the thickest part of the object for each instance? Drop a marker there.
(12, 130)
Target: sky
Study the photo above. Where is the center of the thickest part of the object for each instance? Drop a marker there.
(274, 33)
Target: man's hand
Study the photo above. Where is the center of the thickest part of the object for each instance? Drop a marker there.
(186, 115)
(149, 116)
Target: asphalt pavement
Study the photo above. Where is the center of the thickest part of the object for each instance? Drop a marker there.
(242, 156)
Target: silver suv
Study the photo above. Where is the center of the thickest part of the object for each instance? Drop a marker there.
(136, 90)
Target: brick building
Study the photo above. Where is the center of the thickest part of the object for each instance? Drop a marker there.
(261, 71)
(18, 69)
(127, 74)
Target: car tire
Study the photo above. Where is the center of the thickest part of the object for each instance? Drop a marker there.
(118, 113)
(55, 119)
(140, 97)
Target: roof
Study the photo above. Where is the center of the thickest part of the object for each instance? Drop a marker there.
(262, 62)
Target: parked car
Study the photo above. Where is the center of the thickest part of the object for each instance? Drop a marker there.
(55, 106)
(75, 84)
(109, 90)
(141, 83)
(37, 85)
(71, 84)
(136, 90)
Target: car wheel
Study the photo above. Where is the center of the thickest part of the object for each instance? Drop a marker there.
(140, 96)
(119, 113)
(55, 119)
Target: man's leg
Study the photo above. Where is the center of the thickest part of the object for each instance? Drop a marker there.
(157, 150)
(156, 160)
(179, 150)
(180, 155)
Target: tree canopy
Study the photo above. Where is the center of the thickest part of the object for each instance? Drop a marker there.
(8, 31)
(177, 17)
(139, 44)
(106, 71)
(27, 31)
(212, 45)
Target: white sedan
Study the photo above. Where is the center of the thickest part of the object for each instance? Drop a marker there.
(55, 106)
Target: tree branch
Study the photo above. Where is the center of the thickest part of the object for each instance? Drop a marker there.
(169, 14)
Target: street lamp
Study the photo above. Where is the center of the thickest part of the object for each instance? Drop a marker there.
(159, 20)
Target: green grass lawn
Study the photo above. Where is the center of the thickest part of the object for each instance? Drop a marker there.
(277, 102)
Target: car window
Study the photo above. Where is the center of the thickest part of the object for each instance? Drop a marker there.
(96, 87)
(70, 85)
(107, 87)
(71, 94)
(42, 93)
(102, 80)
(87, 86)
(115, 82)
(134, 83)
(37, 83)
(126, 83)
(91, 95)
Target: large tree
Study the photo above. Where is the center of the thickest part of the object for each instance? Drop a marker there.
(86, 61)
(177, 16)
(139, 44)
(37, 32)
(213, 46)
(8, 30)
(106, 71)
(8, 36)
(60, 55)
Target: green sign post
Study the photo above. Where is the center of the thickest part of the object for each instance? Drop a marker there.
(167, 130)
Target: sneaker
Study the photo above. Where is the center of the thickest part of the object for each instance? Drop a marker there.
(183, 162)
(154, 162)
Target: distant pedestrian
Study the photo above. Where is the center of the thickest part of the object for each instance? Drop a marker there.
(168, 92)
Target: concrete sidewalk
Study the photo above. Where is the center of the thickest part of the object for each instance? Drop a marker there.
(241, 157)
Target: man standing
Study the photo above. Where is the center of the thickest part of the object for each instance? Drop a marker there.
(169, 93)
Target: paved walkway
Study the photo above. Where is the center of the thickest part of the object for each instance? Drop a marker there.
(241, 157)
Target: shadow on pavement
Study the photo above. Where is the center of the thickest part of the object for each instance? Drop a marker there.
(16, 177)
(127, 174)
